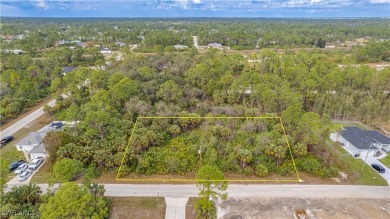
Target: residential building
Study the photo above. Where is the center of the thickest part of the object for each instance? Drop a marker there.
(105, 51)
(360, 142)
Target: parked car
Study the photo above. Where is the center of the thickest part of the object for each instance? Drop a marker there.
(15, 165)
(35, 164)
(56, 125)
(6, 139)
(378, 167)
(23, 176)
(21, 168)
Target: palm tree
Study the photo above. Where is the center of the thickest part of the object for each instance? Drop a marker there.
(299, 149)
(280, 154)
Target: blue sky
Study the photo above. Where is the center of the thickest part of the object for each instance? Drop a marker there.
(195, 8)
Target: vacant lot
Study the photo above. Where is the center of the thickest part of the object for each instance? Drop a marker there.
(136, 207)
(316, 208)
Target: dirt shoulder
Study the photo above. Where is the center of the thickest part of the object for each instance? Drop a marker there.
(270, 208)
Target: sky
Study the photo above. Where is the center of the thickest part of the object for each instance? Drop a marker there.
(195, 8)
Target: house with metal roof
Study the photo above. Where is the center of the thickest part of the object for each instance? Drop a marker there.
(360, 142)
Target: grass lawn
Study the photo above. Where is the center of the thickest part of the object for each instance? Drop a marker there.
(336, 127)
(386, 161)
(8, 153)
(354, 167)
(136, 207)
(42, 176)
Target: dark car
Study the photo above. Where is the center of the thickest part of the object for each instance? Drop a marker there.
(378, 168)
(14, 165)
(56, 125)
(5, 140)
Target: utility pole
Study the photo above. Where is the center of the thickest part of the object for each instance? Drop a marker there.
(364, 164)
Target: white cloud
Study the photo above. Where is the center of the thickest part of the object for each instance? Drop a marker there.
(41, 4)
(197, 1)
(380, 1)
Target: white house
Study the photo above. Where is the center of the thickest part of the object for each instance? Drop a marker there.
(215, 45)
(30, 141)
(178, 46)
(38, 151)
(105, 51)
(360, 142)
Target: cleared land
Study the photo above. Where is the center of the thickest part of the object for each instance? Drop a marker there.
(136, 207)
(270, 208)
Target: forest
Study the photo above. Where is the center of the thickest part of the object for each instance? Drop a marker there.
(306, 88)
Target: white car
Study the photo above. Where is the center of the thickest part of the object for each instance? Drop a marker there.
(21, 168)
(25, 175)
(35, 164)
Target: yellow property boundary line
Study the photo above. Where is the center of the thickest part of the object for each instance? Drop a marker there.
(205, 117)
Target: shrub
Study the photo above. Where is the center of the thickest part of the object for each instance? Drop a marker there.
(261, 170)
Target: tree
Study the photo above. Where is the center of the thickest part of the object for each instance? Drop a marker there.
(212, 186)
(244, 156)
(52, 141)
(74, 201)
(47, 109)
(67, 169)
(25, 198)
(170, 92)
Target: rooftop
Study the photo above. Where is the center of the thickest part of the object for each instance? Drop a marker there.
(38, 149)
(33, 138)
(362, 139)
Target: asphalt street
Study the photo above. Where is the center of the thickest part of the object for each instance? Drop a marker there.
(241, 190)
(25, 121)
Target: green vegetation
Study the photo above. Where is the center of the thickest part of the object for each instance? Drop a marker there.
(21, 201)
(67, 170)
(305, 87)
(386, 161)
(80, 202)
(211, 188)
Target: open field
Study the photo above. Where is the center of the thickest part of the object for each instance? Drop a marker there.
(271, 208)
(136, 207)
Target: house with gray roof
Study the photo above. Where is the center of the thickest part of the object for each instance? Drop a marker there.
(30, 141)
(360, 142)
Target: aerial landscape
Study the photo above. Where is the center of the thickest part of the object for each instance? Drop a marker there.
(192, 109)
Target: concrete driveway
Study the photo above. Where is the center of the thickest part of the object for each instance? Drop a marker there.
(386, 174)
(15, 181)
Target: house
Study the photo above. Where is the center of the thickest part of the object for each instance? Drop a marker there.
(106, 51)
(360, 142)
(215, 45)
(33, 145)
(66, 70)
(30, 141)
(178, 46)
(38, 151)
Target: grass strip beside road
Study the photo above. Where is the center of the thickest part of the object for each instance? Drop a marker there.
(137, 207)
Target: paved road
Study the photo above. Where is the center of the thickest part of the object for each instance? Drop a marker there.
(195, 41)
(235, 190)
(26, 120)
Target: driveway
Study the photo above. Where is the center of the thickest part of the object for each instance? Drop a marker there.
(386, 174)
(15, 181)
